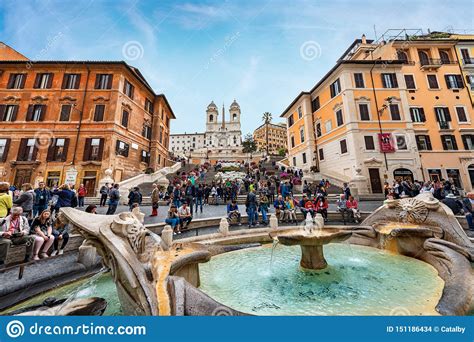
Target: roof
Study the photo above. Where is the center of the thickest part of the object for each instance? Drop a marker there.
(277, 125)
(328, 74)
(135, 71)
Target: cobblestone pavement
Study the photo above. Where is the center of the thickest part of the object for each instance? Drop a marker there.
(218, 210)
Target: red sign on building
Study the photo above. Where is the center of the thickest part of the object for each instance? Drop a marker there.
(386, 141)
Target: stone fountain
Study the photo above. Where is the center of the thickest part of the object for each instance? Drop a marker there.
(311, 239)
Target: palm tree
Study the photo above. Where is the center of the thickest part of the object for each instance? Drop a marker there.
(267, 119)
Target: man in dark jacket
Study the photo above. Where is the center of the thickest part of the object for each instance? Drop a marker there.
(114, 197)
(134, 197)
(66, 198)
(453, 203)
(251, 204)
(190, 194)
(104, 192)
(42, 198)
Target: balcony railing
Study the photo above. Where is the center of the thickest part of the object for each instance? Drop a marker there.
(468, 61)
(443, 125)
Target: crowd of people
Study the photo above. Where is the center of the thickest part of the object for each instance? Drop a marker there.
(30, 217)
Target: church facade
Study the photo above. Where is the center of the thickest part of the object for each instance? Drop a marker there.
(222, 138)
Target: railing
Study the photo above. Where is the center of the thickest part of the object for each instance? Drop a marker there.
(431, 62)
(468, 61)
(444, 125)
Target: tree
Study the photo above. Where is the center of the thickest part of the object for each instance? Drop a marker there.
(267, 119)
(282, 152)
(249, 144)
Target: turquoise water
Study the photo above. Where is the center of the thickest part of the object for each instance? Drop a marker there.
(101, 285)
(358, 281)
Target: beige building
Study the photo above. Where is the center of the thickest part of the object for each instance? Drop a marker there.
(277, 138)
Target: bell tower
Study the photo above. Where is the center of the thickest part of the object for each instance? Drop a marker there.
(212, 114)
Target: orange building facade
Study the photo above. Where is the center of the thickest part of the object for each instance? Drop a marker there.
(392, 109)
(64, 121)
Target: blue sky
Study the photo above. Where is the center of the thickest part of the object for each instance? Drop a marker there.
(198, 51)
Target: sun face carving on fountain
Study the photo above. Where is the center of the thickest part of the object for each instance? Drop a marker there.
(412, 210)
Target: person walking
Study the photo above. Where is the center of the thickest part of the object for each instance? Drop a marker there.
(42, 198)
(104, 192)
(199, 197)
(155, 198)
(190, 194)
(81, 194)
(114, 198)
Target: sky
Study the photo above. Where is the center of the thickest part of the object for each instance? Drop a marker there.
(262, 53)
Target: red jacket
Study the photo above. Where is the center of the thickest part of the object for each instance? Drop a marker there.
(322, 205)
(351, 205)
(81, 192)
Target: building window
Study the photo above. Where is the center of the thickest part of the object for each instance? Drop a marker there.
(103, 81)
(28, 150)
(417, 114)
(125, 117)
(290, 120)
(149, 106)
(402, 56)
(302, 134)
(444, 56)
(36, 112)
(128, 89)
(71, 81)
(433, 82)
(410, 82)
(304, 158)
(57, 150)
(468, 141)
(321, 154)
(4, 147)
(343, 144)
(364, 111)
(300, 113)
(369, 143)
(466, 58)
(461, 112)
(339, 118)
(423, 142)
(16, 81)
(328, 126)
(315, 104)
(454, 81)
(8, 112)
(294, 161)
(121, 148)
(401, 142)
(145, 157)
(318, 129)
(211, 118)
(146, 131)
(65, 114)
(395, 112)
(335, 88)
(93, 149)
(470, 81)
(359, 80)
(449, 142)
(99, 112)
(443, 117)
(292, 139)
(389, 80)
(43, 81)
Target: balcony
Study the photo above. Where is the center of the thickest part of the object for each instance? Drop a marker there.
(444, 125)
(431, 63)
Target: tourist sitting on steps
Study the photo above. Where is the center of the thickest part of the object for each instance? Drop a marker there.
(14, 231)
(290, 211)
(306, 206)
(233, 213)
(322, 207)
(279, 206)
(173, 219)
(42, 230)
(185, 216)
(352, 205)
(61, 234)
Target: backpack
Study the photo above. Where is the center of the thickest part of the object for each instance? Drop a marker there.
(74, 202)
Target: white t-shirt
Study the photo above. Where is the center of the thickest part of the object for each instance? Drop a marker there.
(184, 212)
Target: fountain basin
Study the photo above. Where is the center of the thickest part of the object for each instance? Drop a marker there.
(311, 243)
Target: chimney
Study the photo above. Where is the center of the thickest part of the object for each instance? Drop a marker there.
(364, 40)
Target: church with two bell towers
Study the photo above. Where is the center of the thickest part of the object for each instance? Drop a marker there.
(223, 132)
(222, 138)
